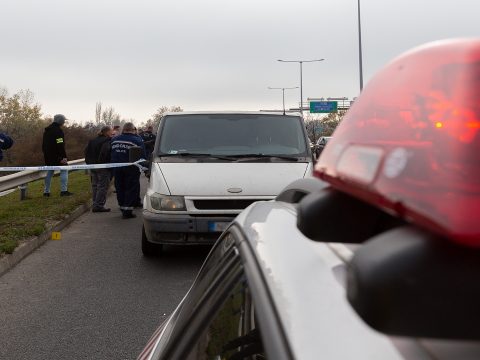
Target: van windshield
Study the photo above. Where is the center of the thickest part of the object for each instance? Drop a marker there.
(233, 135)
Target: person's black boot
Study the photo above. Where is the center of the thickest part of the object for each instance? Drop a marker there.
(128, 214)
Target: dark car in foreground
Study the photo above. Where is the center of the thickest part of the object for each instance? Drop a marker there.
(378, 256)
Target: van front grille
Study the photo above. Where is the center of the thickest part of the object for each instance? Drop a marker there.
(222, 204)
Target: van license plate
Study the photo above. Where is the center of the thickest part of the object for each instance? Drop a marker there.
(214, 226)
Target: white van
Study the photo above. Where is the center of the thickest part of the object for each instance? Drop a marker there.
(208, 166)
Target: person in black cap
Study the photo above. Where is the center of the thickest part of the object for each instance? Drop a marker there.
(53, 148)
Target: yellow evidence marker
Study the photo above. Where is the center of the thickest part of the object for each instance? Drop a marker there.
(56, 236)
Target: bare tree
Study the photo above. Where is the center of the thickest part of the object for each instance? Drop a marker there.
(98, 113)
(155, 120)
(109, 116)
(322, 125)
(21, 118)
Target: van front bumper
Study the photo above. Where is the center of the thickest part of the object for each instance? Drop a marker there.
(184, 229)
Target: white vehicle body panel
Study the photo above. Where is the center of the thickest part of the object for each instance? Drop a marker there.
(214, 179)
(317, 318)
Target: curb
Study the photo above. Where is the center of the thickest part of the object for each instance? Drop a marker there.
(10, 260)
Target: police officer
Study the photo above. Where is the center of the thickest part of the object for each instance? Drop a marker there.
(127, 179)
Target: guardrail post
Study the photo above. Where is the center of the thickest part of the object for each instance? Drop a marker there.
(23, 191)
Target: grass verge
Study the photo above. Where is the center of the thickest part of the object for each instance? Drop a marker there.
(31, 217)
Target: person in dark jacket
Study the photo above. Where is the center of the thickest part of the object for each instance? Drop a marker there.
(149, 140)
(53, 148)
(6, 142)
(127, 179)
(100, 178)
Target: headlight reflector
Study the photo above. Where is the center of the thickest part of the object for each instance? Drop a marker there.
(167, 203)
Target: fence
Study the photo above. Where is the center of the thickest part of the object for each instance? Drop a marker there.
(21, 179)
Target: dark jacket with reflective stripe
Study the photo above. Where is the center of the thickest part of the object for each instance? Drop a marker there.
(53, 145)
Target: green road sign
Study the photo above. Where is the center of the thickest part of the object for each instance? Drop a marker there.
(323, 106)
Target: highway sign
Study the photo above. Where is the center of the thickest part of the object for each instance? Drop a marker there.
(323, 106)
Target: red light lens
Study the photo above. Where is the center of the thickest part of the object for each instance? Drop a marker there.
(411, 141)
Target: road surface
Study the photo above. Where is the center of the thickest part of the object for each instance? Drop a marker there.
(92, 295)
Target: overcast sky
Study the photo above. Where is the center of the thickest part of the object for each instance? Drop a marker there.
(208, 55)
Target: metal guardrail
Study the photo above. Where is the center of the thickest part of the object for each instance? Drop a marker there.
(22, 178)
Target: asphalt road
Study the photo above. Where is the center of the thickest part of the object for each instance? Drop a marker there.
(92, 295)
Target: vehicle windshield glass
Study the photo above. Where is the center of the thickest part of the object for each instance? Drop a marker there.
(233, 134)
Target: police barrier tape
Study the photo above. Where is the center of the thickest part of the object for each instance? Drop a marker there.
(75, 167)
(25, 174)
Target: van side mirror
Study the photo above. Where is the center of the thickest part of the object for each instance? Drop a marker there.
(134, 153)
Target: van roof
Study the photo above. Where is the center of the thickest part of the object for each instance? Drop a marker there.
(229, 113)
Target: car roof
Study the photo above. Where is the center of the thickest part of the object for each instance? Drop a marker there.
(306, 280)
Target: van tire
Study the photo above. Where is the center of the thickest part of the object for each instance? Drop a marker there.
(149, 249)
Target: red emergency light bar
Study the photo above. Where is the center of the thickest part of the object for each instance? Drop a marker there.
(411, 141)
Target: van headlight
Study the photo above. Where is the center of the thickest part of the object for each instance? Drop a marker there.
(167, 203)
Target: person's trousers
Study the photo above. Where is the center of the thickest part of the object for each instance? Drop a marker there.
(127, 182)
(63, 180)
(100, 182)
(138, 200)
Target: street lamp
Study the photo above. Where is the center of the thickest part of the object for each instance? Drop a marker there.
(360, 47)
(283, 93)
(301, 80)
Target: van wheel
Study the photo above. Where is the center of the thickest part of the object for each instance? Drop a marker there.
(149, 249)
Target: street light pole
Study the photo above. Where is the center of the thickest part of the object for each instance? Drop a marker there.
(301, 88)
(301, 77)
(283, 93)
(360, 47)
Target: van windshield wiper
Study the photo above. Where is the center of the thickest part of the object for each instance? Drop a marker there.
(263, 156)
(200, 155)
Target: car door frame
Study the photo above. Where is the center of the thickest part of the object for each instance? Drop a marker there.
(244, 264)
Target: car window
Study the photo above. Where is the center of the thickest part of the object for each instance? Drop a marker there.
(217, 319)
(220, 259)
(220, 254)
(233, 134)
(233, 333)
